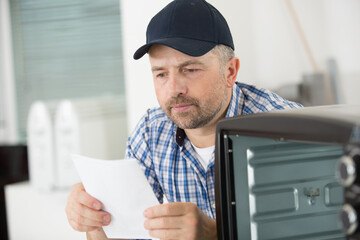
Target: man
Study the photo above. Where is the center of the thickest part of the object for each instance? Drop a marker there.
(194, 70)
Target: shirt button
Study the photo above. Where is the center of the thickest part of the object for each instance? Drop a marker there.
(213, 205)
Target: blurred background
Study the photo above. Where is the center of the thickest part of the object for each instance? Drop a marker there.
(69, 83)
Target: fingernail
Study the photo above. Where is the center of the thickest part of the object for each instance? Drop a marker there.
(145, 213)
(106, 219)
(95, 205)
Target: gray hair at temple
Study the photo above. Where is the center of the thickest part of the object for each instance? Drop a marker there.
(224, 54)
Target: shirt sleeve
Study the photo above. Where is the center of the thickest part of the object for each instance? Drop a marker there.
(138, 147)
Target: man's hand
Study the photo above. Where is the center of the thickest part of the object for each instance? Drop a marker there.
(84, 212)
(179, 221)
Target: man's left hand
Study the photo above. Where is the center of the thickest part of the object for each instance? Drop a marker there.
(179, 221)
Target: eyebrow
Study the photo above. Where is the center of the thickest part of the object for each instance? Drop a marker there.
(190, 62)
(181, 65)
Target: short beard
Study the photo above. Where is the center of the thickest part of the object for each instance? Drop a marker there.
(196, 119)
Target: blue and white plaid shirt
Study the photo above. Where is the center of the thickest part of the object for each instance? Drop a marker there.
(170, 162)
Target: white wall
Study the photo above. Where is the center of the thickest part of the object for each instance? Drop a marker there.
(7, 92)
(140, 93)
(343, 24)
(269, 48)
(332, 28)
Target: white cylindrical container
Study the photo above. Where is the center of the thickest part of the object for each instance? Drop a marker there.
(40, 147)
(67, 141)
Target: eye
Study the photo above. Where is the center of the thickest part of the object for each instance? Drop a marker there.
(161, 75)
(191, 70)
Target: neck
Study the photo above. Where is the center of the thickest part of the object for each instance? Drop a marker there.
(202, 137)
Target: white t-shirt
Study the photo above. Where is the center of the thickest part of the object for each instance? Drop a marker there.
(205, 155)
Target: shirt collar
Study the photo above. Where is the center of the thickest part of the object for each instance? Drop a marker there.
(180, 136)
(236, 102)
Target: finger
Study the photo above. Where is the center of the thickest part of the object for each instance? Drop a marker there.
(81, 215)
(163, 223)
(81, 228)
(83, 224)
(167, 234)
(169, 209)
(96, 216)
(84, 221)
(76, 210)
(87, 200)
(78, 194)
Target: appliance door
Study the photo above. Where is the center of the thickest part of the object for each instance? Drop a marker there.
(282, 189)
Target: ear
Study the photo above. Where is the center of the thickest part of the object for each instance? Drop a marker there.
(231, 71)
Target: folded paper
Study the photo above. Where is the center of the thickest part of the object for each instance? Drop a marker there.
(124, 191)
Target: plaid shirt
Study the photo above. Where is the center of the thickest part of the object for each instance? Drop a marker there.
(168, 159)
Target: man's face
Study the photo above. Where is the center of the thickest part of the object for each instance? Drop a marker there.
(192, 91)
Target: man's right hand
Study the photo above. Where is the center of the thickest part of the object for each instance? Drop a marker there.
(84, 212)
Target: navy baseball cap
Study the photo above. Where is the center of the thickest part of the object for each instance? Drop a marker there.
(193, 27)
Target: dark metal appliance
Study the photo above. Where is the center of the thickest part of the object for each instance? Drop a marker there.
(275, 174)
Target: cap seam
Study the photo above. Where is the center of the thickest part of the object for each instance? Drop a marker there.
(208, 6)
(171, 20)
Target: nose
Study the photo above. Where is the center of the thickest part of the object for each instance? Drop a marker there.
(177, 84)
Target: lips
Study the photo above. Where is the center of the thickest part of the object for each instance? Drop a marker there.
(181, 107)
(181, 104)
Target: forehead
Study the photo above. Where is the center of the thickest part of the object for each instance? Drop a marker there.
(161, 54)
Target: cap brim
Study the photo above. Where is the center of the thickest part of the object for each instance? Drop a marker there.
(195, 48)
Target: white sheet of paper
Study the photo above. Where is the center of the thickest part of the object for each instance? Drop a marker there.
(124, 191)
